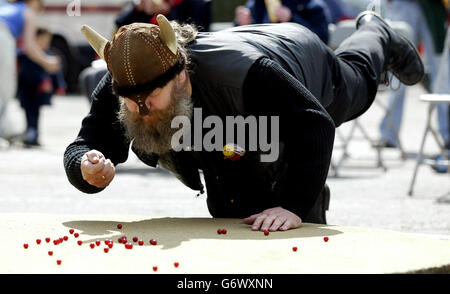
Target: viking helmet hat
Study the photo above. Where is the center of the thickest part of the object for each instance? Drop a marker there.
(141, 57)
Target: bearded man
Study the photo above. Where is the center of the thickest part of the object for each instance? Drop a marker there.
(157, 73)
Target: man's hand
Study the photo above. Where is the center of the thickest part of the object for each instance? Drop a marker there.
(153, 7)
(283, 14)
(96, 170)
(274, 219)
(53, 64)
(243, 16)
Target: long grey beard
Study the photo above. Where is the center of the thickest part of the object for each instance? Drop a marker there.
(155, 138)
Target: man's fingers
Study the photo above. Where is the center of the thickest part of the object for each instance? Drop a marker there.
(94, 156)
(268, 222)
(274, 219)
(93, 168)
(258, 222)
(277, 223)
(103, 178)
(249, 220)
(286, 226)
(108, 171)
(96, 169)
(291, 224)
(108, 164)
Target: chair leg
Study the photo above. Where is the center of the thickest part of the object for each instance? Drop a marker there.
(371, 142)
(400, 145)
(345, 155)
(334, 168)
(388, 114)
(422, 145)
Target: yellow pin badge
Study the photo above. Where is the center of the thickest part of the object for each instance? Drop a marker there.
(233, 152)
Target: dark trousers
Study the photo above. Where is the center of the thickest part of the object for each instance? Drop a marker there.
(32, 115)
(447, 144)
(31, 107)
(358, 64)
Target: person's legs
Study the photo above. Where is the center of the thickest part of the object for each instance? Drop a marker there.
(443, 115)
(31, 108)
(409, 12)
(357, 68)
(447, 143)
(362, 59)
(359, 63)
(432, 59)
(392, 120)
(442, 86)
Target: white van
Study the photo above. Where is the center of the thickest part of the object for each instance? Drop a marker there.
(64, 19)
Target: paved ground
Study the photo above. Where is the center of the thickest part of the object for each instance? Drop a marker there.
(33, 180)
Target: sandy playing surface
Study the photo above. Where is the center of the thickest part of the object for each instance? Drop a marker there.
(197, 247)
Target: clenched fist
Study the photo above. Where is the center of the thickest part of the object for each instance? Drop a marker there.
(96, 169)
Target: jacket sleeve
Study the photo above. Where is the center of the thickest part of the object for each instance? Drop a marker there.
(100, 130)
(305, 127)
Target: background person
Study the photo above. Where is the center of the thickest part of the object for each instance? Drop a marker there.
(197, 12)
(18, 24)
(428, 21)
(36, 87)
(340, 11)
(313, 14)
(442, 86)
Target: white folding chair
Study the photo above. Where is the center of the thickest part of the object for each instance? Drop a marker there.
(432, 100)
(442, 95)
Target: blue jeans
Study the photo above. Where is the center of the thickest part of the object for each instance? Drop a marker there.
(442, 86)
(411, 13)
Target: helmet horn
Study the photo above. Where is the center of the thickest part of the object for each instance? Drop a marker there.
(97, 42)
(167, 33)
